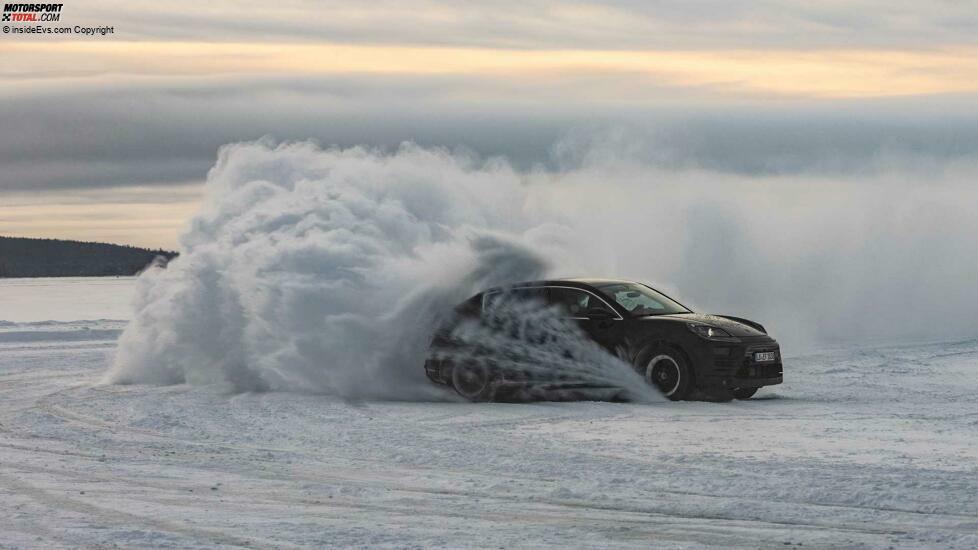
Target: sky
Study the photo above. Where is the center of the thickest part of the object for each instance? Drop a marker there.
(109, 138)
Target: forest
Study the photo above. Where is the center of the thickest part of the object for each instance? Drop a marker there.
(26, 257)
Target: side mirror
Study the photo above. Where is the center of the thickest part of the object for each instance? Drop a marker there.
(598, 314)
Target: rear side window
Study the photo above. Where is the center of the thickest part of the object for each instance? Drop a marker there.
(470, 307)
(514, 296)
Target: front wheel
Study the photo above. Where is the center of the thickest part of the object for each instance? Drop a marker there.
(472, 381)
(669, 372)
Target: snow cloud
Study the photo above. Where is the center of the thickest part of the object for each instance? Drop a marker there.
(326, 270)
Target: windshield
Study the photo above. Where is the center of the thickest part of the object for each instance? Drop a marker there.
(640, 299)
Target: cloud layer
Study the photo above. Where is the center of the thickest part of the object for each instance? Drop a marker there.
(839, 89)
(624, 24)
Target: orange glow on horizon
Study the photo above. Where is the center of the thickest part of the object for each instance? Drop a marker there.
(836, 73)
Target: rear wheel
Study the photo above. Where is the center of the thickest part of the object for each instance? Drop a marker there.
(668, 370)
(472, 381)
(744, 393)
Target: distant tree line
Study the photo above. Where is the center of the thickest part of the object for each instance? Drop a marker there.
(22, 257)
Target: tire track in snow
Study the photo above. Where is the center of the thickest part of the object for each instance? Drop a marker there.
(110, 516)
(62, 412)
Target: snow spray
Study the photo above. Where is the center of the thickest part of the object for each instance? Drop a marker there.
(327, 271)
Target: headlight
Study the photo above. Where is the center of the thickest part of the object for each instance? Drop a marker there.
(706, 331)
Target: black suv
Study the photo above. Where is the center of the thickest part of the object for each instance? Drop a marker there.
(682, 353)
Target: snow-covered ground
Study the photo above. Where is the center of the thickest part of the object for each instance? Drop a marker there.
(861, 447)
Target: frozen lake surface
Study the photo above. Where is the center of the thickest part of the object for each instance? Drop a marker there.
(860, 448)
(66, 298)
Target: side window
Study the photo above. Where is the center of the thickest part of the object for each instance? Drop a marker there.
(470, 307)
(519, 296)
(574, 302)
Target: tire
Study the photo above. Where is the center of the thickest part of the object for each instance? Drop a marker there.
(744, 393)
(473, 381)
(667, 370)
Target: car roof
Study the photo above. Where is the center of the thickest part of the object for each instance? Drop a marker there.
(580, 282)
(595, 281)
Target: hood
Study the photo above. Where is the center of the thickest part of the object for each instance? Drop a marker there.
(735, 328)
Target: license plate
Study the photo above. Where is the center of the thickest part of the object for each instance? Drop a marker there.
(764, 356)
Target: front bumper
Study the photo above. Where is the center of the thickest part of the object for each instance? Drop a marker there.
(752, 382)
(732, 364)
